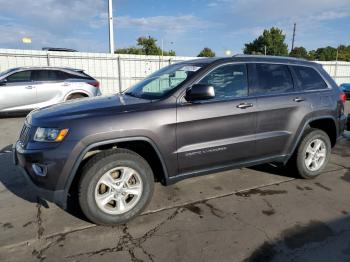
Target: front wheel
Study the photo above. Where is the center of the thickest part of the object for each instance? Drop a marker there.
(313, 153)
(116, 186)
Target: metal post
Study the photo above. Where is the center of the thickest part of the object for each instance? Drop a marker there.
(119, 75)
(295, 25)
(110, 22)
(48, 58)
(336, 66)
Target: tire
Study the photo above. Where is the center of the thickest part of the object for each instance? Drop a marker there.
(114, 163)
(75, 96)
(302, 157)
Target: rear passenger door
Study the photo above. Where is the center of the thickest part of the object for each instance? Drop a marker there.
(281, 108)
(49, 85)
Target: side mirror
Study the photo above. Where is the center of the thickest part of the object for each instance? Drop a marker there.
(3, 82)
(200, 92)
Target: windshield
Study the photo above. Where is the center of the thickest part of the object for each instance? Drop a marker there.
(6, 72)
(163, 81)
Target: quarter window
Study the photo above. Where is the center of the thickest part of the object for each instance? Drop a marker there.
(308, 78)
(23, 76)
(273, 79)
(229, 81)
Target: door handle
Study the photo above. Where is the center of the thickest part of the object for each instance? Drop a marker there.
(244, 105)
(30, 87)
(299, 99)
(65, 84)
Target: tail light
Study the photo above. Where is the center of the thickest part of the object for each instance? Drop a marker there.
(94, 83)
(343, 97)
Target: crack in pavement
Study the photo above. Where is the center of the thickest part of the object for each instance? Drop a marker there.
(128, 243)
(39, 220)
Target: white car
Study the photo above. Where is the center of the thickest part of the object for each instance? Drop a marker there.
(25, 89)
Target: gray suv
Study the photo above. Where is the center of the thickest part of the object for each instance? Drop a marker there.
(187, 119)
(24, 88)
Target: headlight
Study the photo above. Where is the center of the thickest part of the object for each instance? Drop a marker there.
(50, 134)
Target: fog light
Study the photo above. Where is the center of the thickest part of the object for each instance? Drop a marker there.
(39, 170)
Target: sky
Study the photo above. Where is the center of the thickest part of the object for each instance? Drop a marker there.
(185, 26)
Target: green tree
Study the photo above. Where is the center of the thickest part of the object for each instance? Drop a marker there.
(206, 52)
(326, 53)
(146, 46)
(312, 55)
(344, 53)
(273, 39)
(299, 52)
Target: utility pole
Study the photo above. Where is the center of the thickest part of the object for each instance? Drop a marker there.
(110, 22)
(295, 25)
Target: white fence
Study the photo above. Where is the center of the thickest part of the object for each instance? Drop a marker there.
(118, 72)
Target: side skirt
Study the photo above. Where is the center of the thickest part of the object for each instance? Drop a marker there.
(216, 169)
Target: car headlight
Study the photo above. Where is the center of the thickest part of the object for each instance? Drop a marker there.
(50, 134)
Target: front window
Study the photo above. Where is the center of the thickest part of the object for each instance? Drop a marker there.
(229, 81)
(160, 83)
(23, 76)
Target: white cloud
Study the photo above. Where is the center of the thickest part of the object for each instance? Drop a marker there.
(53, 13)
(50, 23)
(168, 24)
(276, 9)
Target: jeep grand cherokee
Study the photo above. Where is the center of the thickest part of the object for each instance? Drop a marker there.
(187, 119)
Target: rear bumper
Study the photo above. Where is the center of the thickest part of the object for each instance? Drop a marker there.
(347, 127)
(58, 197)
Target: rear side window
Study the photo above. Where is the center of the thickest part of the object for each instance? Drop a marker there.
(77, 75)
(23, 76)
(308, 78)
(273, 79)
(229, 81)
(46, 75)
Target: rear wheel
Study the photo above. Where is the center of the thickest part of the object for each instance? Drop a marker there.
(313, 153)
(116, 186)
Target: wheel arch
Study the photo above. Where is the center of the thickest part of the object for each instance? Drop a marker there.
(127, 143)
(319, 123)
(77, 91)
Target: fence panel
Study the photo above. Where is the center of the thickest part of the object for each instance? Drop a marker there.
(118, 72)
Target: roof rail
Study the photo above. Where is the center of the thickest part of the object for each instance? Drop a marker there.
(270, 56)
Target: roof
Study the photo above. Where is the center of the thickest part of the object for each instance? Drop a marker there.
(48, 68)
(253, 58)
(59, 49)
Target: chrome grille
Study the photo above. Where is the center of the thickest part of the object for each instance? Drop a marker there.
(25, 135)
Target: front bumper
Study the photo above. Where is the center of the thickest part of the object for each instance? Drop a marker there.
(23, 163)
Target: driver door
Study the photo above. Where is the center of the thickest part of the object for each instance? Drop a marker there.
(221, 131)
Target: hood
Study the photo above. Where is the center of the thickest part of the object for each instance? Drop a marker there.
(81, 108)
